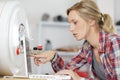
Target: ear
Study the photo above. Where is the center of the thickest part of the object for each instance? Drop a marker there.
(91, 22)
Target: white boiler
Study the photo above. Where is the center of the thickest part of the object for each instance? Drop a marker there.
(14, 37)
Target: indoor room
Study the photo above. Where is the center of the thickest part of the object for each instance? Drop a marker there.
(32, 28)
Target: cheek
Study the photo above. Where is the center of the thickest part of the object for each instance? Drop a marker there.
(82, 31)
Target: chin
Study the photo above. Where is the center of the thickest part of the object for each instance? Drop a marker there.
(78, 39)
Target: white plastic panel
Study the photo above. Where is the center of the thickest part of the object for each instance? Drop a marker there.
(12, 17)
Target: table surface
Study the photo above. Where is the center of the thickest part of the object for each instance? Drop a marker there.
(20, 79)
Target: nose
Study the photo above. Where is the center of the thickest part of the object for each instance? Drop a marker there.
(71, 28)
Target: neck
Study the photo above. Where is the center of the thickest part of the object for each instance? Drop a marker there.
(93, 37)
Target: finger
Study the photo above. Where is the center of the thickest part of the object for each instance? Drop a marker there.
(38, 55)
(43, 60)
(63, 72)
(60, 72)
(37, 61)
(40, 60)
(33, 55)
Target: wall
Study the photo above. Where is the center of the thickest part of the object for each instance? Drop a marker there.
(117, 10)
(107, 6)
(36, 8)
(58, 33)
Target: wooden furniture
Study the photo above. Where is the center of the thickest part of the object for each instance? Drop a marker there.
(20, 79)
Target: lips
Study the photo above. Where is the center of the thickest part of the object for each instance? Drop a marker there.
(75, 34)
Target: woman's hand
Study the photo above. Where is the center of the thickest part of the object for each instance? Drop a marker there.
(42, 58)
(71, 73)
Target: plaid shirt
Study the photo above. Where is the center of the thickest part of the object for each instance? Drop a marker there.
(109, 52)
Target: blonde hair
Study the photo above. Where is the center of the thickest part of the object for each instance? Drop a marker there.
(88, 9)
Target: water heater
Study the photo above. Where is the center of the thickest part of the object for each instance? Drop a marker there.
(14, 37)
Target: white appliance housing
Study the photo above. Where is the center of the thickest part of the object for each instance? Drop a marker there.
(14, 33)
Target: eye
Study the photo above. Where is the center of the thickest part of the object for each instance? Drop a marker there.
(75, 22)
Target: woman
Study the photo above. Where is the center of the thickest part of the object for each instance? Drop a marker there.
(100, 51)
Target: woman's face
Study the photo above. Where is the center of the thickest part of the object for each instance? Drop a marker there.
(78, 26)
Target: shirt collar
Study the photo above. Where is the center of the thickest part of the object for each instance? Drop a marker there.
(102, 36)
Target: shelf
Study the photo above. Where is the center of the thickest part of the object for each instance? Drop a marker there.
(44, 23)
(117, 29)
(57, 32)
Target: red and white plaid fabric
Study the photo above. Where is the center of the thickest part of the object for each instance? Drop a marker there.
(109, 52)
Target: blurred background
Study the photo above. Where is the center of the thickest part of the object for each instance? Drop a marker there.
(51, 14)
(48, 26)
